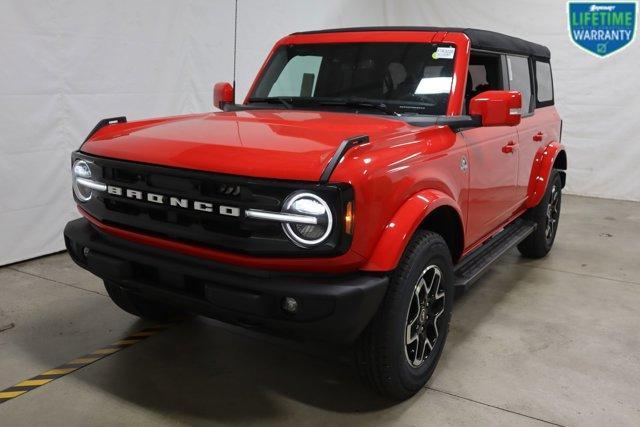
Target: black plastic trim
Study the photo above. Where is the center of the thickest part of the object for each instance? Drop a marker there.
(240, 235)
(471, 267)
(331, 307)
(105, 122)
(339, 154)
(456, 123)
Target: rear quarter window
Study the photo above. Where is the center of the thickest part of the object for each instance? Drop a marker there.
(544, 84)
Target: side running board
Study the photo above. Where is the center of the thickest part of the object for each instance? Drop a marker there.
(473, 265)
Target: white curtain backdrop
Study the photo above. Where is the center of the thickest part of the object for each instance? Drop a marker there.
(597, 97)
(66, 64)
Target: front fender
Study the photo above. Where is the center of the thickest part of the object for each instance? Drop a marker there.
(399, 230)
(542, 165)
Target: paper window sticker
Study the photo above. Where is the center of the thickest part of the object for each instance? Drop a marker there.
(444, 53)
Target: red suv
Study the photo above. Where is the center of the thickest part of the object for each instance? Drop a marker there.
(369, 173)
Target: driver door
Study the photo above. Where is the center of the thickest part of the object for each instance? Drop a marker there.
(493, 155)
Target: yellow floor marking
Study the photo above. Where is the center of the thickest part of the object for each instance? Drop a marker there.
(11, 394)
(83, 360)
(59, 371)
(125, 342)
(106, 351)
(28, 383)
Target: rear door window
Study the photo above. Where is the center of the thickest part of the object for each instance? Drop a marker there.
(520, 80)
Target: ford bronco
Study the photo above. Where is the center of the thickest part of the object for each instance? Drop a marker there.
(368, 175)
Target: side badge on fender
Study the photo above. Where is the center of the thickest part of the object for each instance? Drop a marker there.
(464, 164)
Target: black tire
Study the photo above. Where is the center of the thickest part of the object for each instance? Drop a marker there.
(382, 352)
(138, 306)
(547, 216)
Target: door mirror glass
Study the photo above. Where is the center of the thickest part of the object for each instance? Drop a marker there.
(222, 95)
(497, 107)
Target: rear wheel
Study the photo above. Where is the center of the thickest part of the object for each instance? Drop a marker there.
(139, 306)
(400, 349)
(547, 216)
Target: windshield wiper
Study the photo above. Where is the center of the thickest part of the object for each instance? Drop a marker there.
(337, 102)
(274, 99)
(361, 103)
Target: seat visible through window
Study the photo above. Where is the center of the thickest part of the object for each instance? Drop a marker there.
(484, 74)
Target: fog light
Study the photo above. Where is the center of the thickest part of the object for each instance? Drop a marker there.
(290, 305)
(85, 251)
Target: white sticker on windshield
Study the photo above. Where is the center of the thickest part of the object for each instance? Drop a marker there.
(444, 53)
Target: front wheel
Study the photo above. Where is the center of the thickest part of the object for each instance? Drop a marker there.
(400, 349)
(547, 216)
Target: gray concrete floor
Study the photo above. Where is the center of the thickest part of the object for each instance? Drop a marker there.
(534, 342)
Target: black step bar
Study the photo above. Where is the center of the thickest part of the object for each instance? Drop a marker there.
(473, 265)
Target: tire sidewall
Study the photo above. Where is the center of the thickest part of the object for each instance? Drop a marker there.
(437, 254)
(554, 182)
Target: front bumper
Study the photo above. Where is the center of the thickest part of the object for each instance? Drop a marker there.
(334, 308)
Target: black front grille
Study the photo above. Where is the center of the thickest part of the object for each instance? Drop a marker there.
(212, 229)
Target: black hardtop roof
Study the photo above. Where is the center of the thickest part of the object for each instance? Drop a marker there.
(480, 39)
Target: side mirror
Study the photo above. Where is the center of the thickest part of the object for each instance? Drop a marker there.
(222, 94)
(497, 107)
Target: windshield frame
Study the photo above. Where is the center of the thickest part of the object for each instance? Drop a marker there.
(460, 41)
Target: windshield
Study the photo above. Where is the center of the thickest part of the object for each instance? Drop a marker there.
(392, 78)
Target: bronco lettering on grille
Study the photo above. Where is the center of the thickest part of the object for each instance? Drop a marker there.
(173, 201)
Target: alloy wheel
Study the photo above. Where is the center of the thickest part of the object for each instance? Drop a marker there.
(423, 323)
(553, 213)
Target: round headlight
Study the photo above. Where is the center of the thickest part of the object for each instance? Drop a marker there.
(308, 204)
(81, 169)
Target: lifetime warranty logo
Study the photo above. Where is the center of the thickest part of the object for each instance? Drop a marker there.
(602, 28)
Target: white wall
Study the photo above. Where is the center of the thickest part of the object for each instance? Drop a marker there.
(597, 98)
(66, 64)
(262, 22)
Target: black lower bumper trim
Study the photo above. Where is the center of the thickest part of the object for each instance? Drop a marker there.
(335, 308)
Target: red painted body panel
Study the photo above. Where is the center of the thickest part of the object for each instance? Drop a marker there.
(342, 264)
(539, 137)
(397, 233)
(544, 159)
(279, 144)
(399, 177)
(492, 179)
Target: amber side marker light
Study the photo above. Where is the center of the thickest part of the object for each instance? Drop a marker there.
(348, 218)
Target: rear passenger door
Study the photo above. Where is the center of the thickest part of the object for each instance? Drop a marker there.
(493, 158)
(532, 130)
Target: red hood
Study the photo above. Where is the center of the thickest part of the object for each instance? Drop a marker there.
(293, 145)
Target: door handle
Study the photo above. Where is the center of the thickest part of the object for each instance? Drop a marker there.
(509, 147)
(538, 136)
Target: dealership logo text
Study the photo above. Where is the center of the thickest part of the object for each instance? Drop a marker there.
(602, 28)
